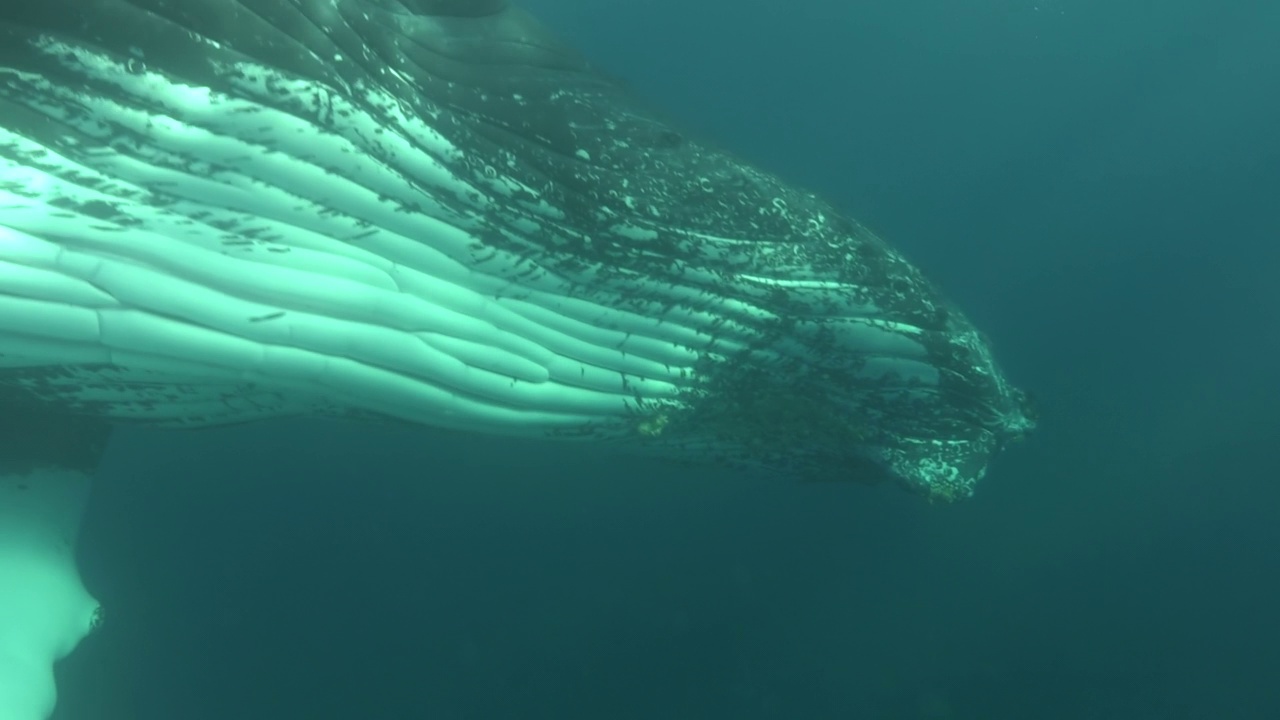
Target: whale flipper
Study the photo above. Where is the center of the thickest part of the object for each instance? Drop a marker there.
(46, 460)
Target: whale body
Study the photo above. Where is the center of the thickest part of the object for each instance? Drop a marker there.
(430, 212)
(433, 211)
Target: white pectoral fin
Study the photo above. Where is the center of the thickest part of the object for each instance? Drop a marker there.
(45, 610)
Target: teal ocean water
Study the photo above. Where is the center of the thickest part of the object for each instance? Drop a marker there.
(1094, 181)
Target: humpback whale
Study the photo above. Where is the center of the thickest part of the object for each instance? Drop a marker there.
(429, 212)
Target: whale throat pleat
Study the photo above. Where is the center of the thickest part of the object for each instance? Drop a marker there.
(173, 231)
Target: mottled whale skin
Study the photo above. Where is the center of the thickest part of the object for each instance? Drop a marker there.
(214, 211)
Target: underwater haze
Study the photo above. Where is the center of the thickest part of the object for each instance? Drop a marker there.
(1093, 181)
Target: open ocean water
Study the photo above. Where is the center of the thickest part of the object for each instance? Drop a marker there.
(1094, 181)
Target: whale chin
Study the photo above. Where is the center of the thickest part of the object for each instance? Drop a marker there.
(433, 212)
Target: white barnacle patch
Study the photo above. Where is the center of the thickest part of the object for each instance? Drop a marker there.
(931, 465)
(780, 208)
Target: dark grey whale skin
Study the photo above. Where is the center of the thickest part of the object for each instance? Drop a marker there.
(796, 399)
